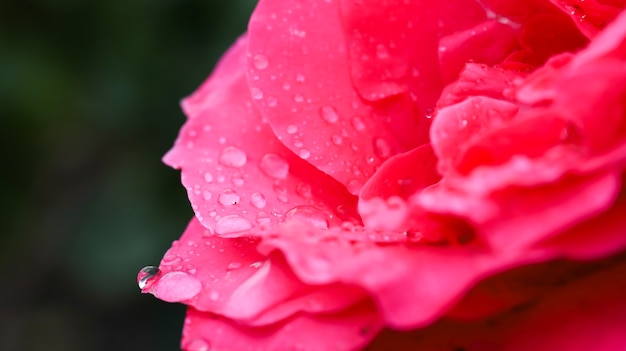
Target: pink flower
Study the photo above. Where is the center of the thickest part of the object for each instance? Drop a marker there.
(331, 214)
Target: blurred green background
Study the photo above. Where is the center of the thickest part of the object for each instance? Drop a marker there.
(89, 102)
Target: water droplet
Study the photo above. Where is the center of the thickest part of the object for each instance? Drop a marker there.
(206, 195)
(304, 154)
(274, 166)
(300, 78)
(256, 93)
(263, 218)
(381, 52)
(298, 98)
(233, 265)
(286, 86)
(232, 224)
(358, 124)
(308, 214)
(146, 275)
(271, 101)
(258, 200)
(198, 344)
(177, 286)
(463, 123)
(233, 157)
(238, 180)
(329, 114)
(336, 139)
(381, 148)
(292, 129)
(260, 61)
(304, 190)
(354, 186)
(214, 295)
(228, 197)
(256, 264)
(208, 177)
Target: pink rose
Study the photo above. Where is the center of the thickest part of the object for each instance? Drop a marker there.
(405, 174)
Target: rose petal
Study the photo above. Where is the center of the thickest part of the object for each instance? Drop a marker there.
(237, 173)
(403, 175)
(588, 314)
(348, 330)
(393, 45)
(229, 277)
(458, 126)
(489, 42)
(480, 80)
(412, 286)
(590, 16)
(299, 78)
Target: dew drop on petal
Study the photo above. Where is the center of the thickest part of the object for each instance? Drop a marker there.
(256, 93)
(260, 61)
(329, 114)
(214, 295)
(274, 166)
(336, 139)
(258, 200)
(292, 129)
(198, 344)
(381, 148)
(272, 101)
(208, 177)
(304, 190)
(300, 78)
(177, 286)
(233, 157)
(304, 154)
(381, 52)
(308, 214)
(146, 275)
(233, 265)
(358, 124)
(231, 224)
(354, 186)
(228, 197)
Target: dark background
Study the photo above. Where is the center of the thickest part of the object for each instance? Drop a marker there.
(89, 102)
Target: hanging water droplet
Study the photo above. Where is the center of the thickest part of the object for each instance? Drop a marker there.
(274, 166)
(198, 344)
(329, 114)
(146, 275)
(381, 148)
(308, 214)
(258, 200)
(232, 224)
(228, 197)
(233, 157)
(260, 61)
